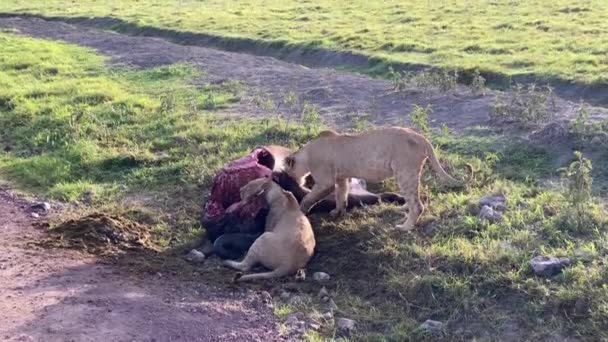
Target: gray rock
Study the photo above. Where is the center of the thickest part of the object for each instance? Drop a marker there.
(324, 295)
(315, 326)
(266, 297)
(328, 316)
(345, 326)
(34, 215)
(285, 295)
(295, 300)
(320, 277)
(547, 266)
(429, 326)
(599, 141)
(496, 202)
(206, 247)
(487, 213)
(41, 206)
(292, 321)
(331, 305)
(195, 256)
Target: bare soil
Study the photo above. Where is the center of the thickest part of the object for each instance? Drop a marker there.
(341, 97)
(65, 295)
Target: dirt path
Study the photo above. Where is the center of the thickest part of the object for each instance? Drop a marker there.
(59, 295)
(340, 97)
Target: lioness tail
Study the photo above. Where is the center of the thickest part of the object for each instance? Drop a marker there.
(438, 169)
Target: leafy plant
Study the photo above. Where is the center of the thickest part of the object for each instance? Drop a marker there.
(579, 181)
(420, 118)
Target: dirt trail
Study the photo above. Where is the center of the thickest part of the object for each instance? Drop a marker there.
(339, 96)
(60, 295)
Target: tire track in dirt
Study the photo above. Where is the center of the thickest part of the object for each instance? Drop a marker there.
(340, 97)
(64, 295)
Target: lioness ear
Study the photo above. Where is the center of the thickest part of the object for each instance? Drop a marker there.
(290, 161)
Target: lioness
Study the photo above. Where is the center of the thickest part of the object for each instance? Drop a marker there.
(374, 155)
(288, 241)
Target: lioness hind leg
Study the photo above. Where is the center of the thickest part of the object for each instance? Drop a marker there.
(409, 184)
(248, 262)
(342, 189)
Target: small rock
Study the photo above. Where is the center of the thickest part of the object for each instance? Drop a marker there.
(320, 276)
(331, 305)
(295, 300)
(42, 206)
(324, 295)
(292, 321)
(266, 297)
(285, 295)
(496, 202)
(315, 326)
(195, 256)
(328, 316)
(549, 210)
(34, 215)
(582, 306)
(599, 141)
(345, 326)
(487, 213)
(547, 266)
(206, 247)
(433, 327)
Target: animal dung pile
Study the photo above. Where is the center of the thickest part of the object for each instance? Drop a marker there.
(100, 234)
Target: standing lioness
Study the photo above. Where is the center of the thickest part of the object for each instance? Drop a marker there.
(288, 241)
(374, 155)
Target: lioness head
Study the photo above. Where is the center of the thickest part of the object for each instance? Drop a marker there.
(296, 168)
(256, 187)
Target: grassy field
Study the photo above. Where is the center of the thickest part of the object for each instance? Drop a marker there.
(559, 39)
(74, 130)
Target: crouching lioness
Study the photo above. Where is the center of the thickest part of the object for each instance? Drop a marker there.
(288, 241)
(374, 155)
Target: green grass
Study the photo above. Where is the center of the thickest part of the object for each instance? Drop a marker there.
(548, 39)
(69, 126)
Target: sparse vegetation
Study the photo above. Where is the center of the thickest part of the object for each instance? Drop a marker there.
(425, 81)
(524, 104)
(478, 83)
(420, 118)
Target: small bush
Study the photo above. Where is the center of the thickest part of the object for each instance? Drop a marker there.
(526, 105)
(420, 118)
(426, 80)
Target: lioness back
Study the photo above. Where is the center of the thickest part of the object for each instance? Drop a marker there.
(365, 155)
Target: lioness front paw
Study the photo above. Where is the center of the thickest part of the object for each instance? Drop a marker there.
(237, 276)
(336, 213)
(404, 227)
